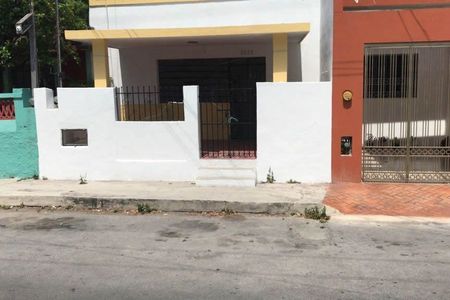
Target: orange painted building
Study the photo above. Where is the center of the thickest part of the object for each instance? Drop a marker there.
(357, 25)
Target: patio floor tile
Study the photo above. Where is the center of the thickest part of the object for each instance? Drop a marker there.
(421, 200)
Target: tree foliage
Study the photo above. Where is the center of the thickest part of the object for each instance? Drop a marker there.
(12, 46)
(14, 49)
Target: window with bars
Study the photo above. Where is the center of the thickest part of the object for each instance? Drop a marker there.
(7, 110)
(388, 75)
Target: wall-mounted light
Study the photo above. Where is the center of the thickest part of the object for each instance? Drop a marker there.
(27, 25)
(24, 24)
(347, 95)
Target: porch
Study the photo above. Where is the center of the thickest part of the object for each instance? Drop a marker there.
(135, 55)
(184, 94)
(149, 68)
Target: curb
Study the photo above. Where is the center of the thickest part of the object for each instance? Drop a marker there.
(191, 205)
(164, 205)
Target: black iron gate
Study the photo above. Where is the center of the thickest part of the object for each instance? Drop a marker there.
(406, 113)
(227, 100)
(228, 123)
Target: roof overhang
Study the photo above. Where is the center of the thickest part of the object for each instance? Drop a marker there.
(100, 3)
(158, 33)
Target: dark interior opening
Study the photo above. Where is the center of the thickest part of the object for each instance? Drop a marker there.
(227, 93)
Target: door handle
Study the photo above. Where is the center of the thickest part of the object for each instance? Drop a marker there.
(232, 119)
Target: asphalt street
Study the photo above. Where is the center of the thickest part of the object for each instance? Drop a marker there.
(76, 255)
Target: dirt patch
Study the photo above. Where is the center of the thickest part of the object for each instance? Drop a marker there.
(396, 243)
(306, 246)
(197, 225)
(169, 234)
(69, 223)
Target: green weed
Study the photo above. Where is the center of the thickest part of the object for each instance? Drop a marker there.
(145, 208)
(317, 214)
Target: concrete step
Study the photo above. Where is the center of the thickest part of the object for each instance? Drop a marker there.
(246, 173)
(228, 163)
(227, 172)
(226, 181)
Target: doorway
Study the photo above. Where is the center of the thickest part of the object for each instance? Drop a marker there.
(227, 95)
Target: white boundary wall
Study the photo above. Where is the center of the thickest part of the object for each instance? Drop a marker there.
(293, 136)
(294, 131)
(116, 150)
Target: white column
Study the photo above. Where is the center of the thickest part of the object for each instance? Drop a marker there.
(192, 115)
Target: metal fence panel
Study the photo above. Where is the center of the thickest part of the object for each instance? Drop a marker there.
(406, 113)
(149, 104)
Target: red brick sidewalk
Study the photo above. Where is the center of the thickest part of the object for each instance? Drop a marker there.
(421, 200)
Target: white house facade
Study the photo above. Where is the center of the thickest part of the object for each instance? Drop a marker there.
(210, 91)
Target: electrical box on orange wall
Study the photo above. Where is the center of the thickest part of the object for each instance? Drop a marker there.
(346, 145)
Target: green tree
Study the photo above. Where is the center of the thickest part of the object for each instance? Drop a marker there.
(14, 49)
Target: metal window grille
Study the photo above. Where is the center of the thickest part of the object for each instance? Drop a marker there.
(137, 103)
(7, 110)
(388, 75)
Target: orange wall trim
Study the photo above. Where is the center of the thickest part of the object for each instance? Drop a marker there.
(352, 30)
(362, 4)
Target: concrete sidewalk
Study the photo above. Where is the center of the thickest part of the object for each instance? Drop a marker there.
(176, 197)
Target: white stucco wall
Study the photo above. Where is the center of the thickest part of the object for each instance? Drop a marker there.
(116, 150)
(221, 13)
(115, 70)
(294, 131)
